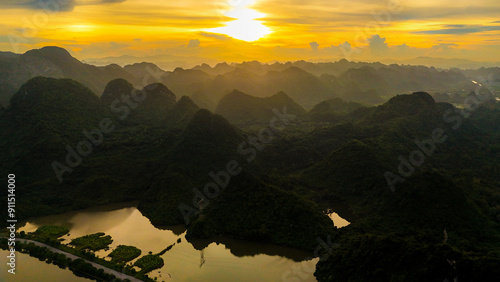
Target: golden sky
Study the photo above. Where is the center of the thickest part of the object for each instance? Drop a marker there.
(265, 30)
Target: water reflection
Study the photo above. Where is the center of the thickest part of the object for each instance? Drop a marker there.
(176, 229)
(219, 259)
(251, 249)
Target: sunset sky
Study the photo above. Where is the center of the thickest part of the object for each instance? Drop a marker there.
(265, 30)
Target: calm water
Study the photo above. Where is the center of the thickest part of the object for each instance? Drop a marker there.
(225, 259)
(31, 269)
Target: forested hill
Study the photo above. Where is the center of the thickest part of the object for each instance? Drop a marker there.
(408, 171)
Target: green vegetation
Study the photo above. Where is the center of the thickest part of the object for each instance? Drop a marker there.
(251, 210)
(332, 110)
(124, 253)
(93, 242)
(336, 155)
(393, 258)
(51, 231)
(242, 109)
(48, 234)
(149, 262)
(79, 267)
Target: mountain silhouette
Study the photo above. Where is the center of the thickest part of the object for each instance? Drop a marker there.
(240, 108)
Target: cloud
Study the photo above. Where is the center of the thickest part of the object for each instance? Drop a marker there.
(444, 46)
(28, 41)
(377, 45)
(217, 36)
(52, 5)
(459, 29)
(443, 11)
(339, 50)
(314, 46)
(346, 45)
(116, 45)
(403, 47)
(98, 49)
(298, 26)
(193, 43)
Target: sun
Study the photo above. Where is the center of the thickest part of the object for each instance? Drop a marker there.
(245, 26)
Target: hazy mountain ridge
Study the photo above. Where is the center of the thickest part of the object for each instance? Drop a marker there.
(309, 83)
(305, 82)
(444, 63)
(57, 63)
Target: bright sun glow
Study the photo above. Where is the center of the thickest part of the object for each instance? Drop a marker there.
(245, 26)
(80, 28)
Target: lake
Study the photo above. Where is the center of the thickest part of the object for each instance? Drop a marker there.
(31, 269)
(219, 259)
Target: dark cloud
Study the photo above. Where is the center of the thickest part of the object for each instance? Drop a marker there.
(421, 13)
(459, 29)
(52, 5)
